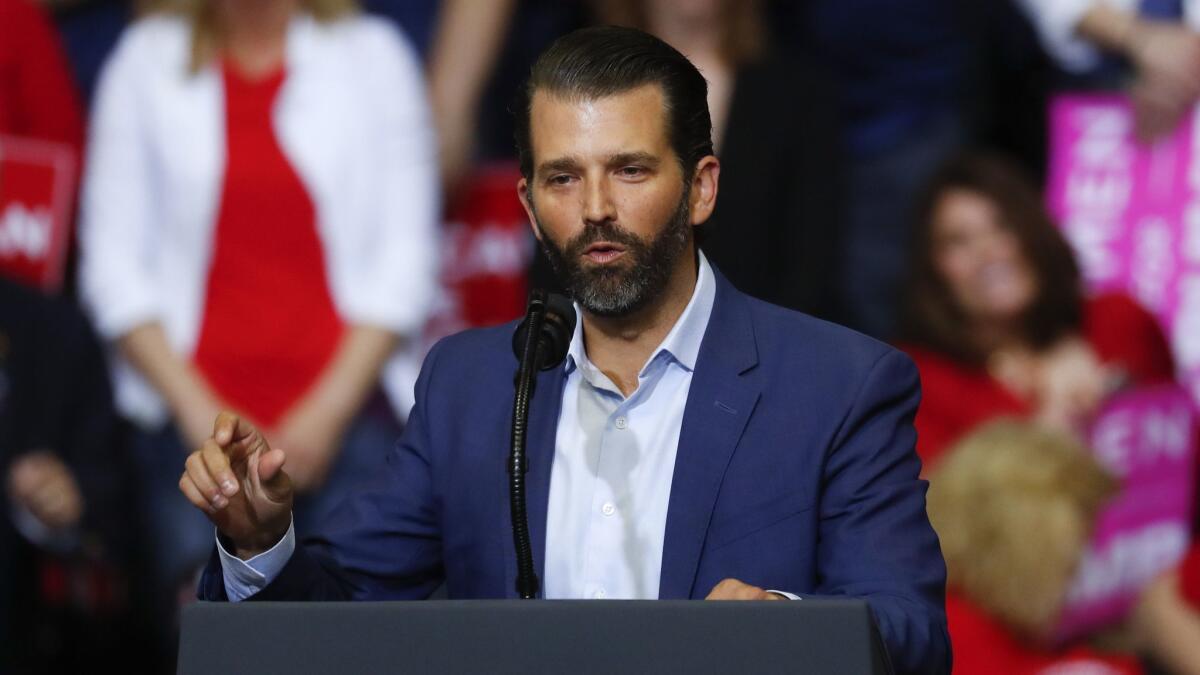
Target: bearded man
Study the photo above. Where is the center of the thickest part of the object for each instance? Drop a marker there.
(695, 443)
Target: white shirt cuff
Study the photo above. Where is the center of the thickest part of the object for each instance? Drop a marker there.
(244, 578)
(789, 596)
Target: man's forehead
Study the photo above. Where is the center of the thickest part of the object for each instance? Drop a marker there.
(575, 122)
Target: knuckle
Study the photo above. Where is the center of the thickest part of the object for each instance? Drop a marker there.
(213, 458)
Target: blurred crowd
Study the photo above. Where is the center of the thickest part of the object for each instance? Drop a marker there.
(261, 225)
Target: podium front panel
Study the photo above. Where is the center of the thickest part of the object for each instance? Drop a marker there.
(538, 636)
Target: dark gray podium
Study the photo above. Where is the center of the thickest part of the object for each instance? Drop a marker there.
(531, 636)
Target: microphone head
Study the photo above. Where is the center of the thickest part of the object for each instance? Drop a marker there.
(557, 330)
(558, 325)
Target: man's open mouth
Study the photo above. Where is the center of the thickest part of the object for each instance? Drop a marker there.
(603, 252)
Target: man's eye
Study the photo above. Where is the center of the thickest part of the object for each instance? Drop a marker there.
(560, 179)
(632, 171)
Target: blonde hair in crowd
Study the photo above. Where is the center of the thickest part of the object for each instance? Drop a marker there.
(1014, 506)
(206, 31)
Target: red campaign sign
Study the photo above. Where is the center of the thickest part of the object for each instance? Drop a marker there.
(37, 187)
(487, 247)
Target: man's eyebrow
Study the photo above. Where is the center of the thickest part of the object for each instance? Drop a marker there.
(556, 165)
(624, 158)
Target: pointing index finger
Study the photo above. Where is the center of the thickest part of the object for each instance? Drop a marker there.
(231, 428)
(224, 427)
(237, 437)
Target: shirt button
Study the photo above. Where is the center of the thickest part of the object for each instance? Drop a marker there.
(608, 509)
(621, 423)
(599, 594)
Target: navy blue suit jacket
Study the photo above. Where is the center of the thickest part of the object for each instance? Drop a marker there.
(795, 471)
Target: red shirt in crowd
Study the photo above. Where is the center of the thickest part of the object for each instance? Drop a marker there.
(270, 326)
(957, 398)
(38, 99)
(983, 646)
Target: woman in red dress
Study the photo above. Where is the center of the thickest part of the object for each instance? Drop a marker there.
(996, 318)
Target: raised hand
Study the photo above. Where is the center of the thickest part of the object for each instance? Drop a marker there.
(43, 484)
(238, 480)
(1167, 58)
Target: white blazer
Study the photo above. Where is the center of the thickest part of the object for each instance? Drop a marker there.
(353, 119)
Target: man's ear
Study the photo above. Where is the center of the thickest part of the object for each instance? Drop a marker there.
(527, 204)
(704, 189)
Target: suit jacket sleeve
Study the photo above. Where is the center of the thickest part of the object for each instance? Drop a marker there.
(876, 540)
(382, 543)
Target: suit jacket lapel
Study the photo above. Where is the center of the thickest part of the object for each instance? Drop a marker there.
(539, 453)
(721, 399)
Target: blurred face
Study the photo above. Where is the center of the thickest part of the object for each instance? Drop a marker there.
(234, 8)
(979, 259)
(607, 198)
(686, 10)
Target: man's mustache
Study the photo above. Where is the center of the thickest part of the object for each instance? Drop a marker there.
(607, 231)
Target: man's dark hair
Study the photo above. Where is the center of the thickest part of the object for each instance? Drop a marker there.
(606, 60)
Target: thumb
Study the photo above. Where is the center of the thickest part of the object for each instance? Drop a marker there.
(275, 482)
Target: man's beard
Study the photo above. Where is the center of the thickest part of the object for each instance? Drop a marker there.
(623, 288)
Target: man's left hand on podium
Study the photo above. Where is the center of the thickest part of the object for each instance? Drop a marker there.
(732, 589)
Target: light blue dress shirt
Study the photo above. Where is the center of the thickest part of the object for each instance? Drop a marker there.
(614, 460)
(610, 482)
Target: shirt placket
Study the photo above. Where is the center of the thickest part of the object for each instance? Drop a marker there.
(607, 572)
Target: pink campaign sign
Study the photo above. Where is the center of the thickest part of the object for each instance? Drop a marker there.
(1147, 439)
(1132, 213)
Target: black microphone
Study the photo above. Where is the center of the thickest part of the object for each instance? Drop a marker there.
(557, 328)
(540, 343)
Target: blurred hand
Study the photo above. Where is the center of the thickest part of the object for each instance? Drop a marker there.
(1016, 369)
(43, 485)
(1166, 627)
(1169, 52)
(1158, 109)
(1166, 56)
(1071, 383)
(732, 589)
(1159, 599)
(238, 480)
(312, 436)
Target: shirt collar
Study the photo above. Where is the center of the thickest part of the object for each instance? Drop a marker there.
(683, 342)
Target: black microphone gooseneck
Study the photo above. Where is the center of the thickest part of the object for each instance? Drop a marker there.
(540, 343)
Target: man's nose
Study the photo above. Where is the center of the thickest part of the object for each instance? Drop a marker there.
(598, 205)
